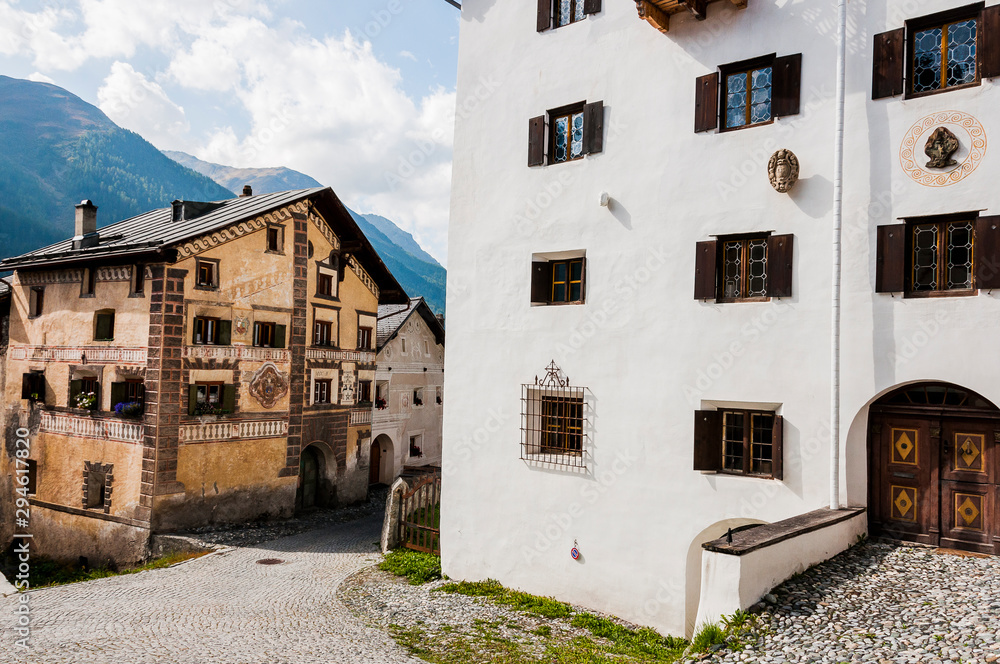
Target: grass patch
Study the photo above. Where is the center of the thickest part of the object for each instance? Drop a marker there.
(710, 635)
(643, 644)
(46, 572)
(545, 607)
(416, 566)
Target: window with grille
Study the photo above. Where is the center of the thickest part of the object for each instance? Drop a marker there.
(553, 421)
(748, 97)
(559, 13)
(941, 256)
(944, 55)
(566, 134)
(749, 93)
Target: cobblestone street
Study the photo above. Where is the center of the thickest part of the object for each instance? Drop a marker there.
(220, 608)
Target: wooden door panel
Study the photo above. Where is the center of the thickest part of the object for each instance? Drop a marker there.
(968, 451)
(968, 516)
(908, 496)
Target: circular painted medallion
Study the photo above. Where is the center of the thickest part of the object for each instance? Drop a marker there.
(972, 148)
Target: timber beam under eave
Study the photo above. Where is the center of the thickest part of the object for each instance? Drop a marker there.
(657, 12)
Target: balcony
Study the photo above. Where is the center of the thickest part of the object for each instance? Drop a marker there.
(361, 416)
(362, 356)
(248, 353)
(93, 354)
(658, 12)
(79, 426)
(247, 429)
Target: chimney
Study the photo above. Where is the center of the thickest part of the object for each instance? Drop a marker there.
(86, 226)
(247, 191)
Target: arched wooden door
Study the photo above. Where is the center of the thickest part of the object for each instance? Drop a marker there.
(375, 466)
(934, 467)
(309, 470)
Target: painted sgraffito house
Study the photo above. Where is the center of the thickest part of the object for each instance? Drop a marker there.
(651, 240)
(409, 390)
(197, 364)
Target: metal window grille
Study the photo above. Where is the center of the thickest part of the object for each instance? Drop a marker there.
(554, 421)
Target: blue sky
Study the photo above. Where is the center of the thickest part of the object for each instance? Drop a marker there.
(359, 94)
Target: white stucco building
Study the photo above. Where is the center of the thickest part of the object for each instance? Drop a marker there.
(690, 312)
(409, 390)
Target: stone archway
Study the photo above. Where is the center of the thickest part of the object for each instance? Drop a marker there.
(932, 468)
(382, 461)
(317, 477)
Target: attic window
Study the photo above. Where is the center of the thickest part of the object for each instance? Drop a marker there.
(207, 273)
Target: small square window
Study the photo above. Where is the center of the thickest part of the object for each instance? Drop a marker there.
(207, 273)
(747, 442)
(323, 333)
(416, 444)
(274, 239)
(558, 281)
(364, 392)
(364, 338)
(263, 335)
(323, 391)
(324, 284)
(206, 330)
(89, 285)
(104, 325)
(36, 301)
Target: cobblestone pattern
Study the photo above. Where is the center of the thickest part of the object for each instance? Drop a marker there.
(222, 608)
(884, 603)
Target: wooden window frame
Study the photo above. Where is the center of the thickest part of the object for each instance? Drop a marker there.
(543, 278)
(278, 233)
(88, 285)
(566, 112)
(205, 321)
(97, 324)
(556, 418)
(259, 329)
(318, 384)
(745, 240)
(212, 267)
(361, 401)
(942, 222)
(746, 67)
(138, 285)
(942, 20)
(33, 382)
(548, 13)
(416, 446)
(328, 326)
(208, 385)
(365, 336)
(36, 301)
(748, 442)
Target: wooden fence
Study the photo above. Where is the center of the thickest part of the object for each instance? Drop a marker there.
(420, 516)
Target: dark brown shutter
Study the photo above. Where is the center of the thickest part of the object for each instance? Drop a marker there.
(787, 85)
(192, 399)
(988, 252)
(536, 141)
(777, 453)
(708, 440)
(225, 336)
(890, 260)
(544, 15)
(29, 386)
(704, 271)
(279, 336)
(593, 127)
(989, 42)
(541, 282)
(119, 394)
(591, 6)
(583, 280)
(779, 265)
(75, 387)
(229, 398)
(706, 103)
(887, 73)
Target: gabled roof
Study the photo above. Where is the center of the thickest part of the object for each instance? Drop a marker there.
(155, 234)
(392, 318)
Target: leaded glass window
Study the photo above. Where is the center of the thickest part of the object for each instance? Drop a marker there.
(941, 256)
(744, 268)
(567, 136)
(944, 56)
(570, 11)
(748, 97)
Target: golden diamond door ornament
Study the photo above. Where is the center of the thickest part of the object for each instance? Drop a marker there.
(904, 446)
(969, 451)
(967, 512)
(904, 500)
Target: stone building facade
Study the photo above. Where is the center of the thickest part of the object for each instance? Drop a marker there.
(193, 365)
(409, 390)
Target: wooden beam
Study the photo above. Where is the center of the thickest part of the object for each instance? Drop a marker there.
(740, 4)
(653, 15)
(698, 7)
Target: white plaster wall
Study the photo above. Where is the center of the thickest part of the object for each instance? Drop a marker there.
(730, 583)
(648, 352)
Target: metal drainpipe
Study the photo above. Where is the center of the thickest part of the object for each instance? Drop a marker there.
(838, 219)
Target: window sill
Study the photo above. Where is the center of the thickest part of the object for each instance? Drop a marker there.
(83, 295)
(917, 295)
(746, 476)
(143, 294)
(206, 287)
(726, 130)
(730, 300)
(931, 93)
(274, 253)
(329, 298)
(558, 304)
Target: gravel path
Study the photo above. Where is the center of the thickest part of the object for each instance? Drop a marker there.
(222, 608)
(885, 603)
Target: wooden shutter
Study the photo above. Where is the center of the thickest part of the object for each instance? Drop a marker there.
(97, 394)
(887, 74)
(593, 127)
(192, 399)
(987, 250)
(225, 336)
(105, 326)
(544, 15)
(279, 336)
(536, 141)
(75, 387)
(119, 394)
(989, 42)
(229, 398)
(591, 6)
(777, 453)
(708, 440)
(890, 260)
(706, 103)
(779, 265)
(787, 85)
(583, 280)
(33, 383)
(541, 282)
(704, 271)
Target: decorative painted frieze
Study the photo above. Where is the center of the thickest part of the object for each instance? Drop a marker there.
(363, 276)
(249, 353)
(340, 355)
(238, 230)
(50, 277)
(88, 427)
(116, 273)
(324, 228)
(197, 433)
(94, 354)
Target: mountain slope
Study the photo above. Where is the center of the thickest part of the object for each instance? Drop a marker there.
(59, 150)
(263, 180)
(416, 270)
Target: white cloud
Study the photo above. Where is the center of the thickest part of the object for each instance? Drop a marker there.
(134, 102)
(39, 77)
(407, 55)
